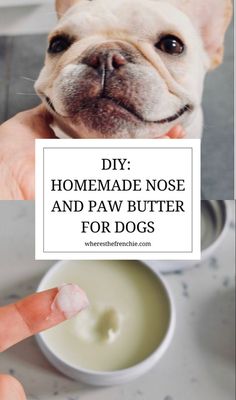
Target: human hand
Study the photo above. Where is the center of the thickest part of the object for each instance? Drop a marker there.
(17, 151)
(17, 154)
(177, 132)
(31, 315)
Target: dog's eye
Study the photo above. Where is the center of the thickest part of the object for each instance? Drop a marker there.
(171, 44)
(59, 44)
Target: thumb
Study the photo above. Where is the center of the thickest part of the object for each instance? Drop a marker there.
(11, 389)
(43, 113)
(37, 121)
(42, 120)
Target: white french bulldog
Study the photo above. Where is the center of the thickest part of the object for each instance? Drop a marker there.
(131, 68)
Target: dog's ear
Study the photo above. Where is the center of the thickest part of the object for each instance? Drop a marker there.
(63, 5)
(211, 18)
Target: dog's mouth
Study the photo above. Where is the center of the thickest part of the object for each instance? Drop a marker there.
(132, 111)
(120, 106)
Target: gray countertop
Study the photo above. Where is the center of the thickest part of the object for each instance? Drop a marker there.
(200, 361)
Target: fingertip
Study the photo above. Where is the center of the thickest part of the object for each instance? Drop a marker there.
(70, 300)
(47, 119)
(42, 111)
(177, 132)
(39, 312)
(178, 129)
(180, 132)
(44, 310)
(11, 388)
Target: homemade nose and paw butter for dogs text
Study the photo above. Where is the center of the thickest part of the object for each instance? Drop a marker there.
(118, 206)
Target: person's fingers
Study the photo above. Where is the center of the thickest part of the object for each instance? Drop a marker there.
(39, 312)
(38, 120)
(164, 137)
(17, 152)
(46, 120)
(17, 178)
(177, 132)
(9, 187)
(11, 389)
(44, 113)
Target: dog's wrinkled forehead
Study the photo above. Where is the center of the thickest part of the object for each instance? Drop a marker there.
(142, 19)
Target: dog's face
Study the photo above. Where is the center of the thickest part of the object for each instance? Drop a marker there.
(130, 68)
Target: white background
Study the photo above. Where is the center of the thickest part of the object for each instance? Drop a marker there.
(59, 235)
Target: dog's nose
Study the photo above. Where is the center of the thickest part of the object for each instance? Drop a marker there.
(108, 60)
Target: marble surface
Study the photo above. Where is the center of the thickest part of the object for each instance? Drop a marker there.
(200, 361)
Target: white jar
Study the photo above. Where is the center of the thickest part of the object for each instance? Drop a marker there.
(103, 378)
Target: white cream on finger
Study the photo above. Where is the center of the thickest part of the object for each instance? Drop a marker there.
(70, 300)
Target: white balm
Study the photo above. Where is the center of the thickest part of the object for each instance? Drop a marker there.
(127, 320)
(70, 299)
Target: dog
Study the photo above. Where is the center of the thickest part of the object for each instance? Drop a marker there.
(131, 68)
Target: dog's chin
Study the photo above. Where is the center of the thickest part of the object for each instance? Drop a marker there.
(106, 118)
